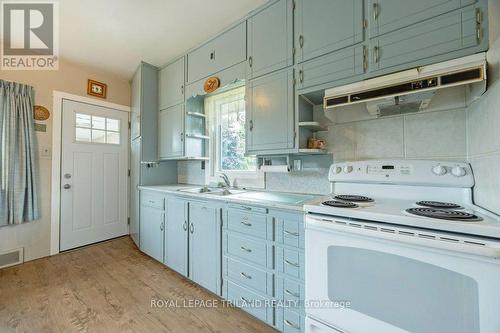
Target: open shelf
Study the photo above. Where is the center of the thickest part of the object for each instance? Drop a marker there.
(312, 151)
(313, 126)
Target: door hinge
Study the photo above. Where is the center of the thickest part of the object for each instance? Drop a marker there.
(365, 23)
(129, 125)
(293, 5)
(128, 220)
(479, 19)
(129, 172)
(365, 58)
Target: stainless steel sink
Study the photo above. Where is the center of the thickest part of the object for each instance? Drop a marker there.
(211, 190)
(196, 190)
(226, 191)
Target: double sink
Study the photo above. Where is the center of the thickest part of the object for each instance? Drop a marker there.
(259, 196)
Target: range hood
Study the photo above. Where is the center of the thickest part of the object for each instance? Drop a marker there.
(411, 90)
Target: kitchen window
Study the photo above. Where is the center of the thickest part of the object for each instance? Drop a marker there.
(226, 124)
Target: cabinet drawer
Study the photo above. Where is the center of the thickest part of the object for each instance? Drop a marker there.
(292, 293)
(247, 223)
(246, 208)
(250, 250)
(153, 200)
(332, 67)
(249, 301)
(439, 36)
(249, 276)
(290, 231)
(292, 322)
(290, 262)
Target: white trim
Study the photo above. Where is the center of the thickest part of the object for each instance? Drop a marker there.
(58, 97)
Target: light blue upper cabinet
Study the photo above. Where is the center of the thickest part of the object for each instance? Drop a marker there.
(389, 15)
(444, 37)
(270, 39)
(204, 245)
(226, 50)
(171, 132)
(323, 26)
(176, 235)
(171, 84)
(270, 112)
(135, 105)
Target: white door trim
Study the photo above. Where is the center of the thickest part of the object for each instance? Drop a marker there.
(55, 206)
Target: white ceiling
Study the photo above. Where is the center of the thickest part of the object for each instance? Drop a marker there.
(115, 35)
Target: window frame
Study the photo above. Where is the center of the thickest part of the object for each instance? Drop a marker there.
(247, 178)
(91, 127)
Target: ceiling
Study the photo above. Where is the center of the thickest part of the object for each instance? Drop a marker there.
(115, 35)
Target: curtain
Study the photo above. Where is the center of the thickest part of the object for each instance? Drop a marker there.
(18, 155)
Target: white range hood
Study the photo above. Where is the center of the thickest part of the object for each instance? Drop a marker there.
(411, 90)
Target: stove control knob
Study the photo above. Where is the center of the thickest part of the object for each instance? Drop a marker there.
(458, 171)
(348, 169)
(337, 170)
(439, 170)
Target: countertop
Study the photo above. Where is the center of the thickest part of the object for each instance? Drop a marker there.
(174, 189)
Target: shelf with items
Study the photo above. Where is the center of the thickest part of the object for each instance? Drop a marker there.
(196, 137)
(311, 131)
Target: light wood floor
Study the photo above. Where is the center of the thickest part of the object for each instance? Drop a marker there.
(108, 287)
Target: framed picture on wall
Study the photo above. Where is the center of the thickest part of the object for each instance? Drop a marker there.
(97, 89)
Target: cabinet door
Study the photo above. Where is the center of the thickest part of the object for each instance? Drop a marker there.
(152, 224)
(389, 15)
(135, 106)
(270, 39)
(176, 235)
(335, 66)
(436, 38)
(270, 113)
(171, 132)
(231, 47)
(323, 26)
(171, 84)
(204, 246)
(135, 167)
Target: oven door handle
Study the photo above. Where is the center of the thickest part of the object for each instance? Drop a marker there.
(429, 239)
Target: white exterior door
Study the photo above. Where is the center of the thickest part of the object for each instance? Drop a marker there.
(94, 171)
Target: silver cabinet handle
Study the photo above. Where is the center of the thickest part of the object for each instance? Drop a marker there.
(191, 228)
(245, 249)
(289, 323)
(301, 76)
(244, 299)
(250, 61)
(67, 186)
(375, 11)
(294, 264)
(296, 234)
(246, 224)
(288, 292)
(162, 226)
(301, 41)
(246, 276)
(251, 129)
(182, 89)
(185, 226)
(376, 54)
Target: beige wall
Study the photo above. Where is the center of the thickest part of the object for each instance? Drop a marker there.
(70, 78)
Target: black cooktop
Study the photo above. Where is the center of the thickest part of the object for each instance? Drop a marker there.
(340, 204)
(439, 204)
(353, 198)
(444, 214)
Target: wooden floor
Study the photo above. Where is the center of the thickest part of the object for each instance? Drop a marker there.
(108, 287)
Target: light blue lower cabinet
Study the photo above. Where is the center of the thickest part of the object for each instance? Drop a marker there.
(152, 223)
(257, 305)
(176, 235)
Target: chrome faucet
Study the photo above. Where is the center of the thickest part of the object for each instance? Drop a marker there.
(226, 179)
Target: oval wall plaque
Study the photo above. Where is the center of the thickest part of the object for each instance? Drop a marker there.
(211, 84)
(41, 113)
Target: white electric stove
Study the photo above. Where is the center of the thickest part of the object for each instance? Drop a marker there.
(402, 242)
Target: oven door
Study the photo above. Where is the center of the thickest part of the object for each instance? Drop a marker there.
(361, 279)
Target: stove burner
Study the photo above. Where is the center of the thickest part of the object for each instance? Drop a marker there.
(355, 198)
(340, 204)
(452, 215)
(439, 204)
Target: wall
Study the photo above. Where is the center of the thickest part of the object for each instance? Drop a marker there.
(70, 78)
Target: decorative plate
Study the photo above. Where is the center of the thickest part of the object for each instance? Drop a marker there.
(41, 113)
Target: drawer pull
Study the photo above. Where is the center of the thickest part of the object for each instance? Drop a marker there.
(245, 249)
(288, 292)
(296, 234)
(246, 223)
(289, 323)
(246, 276)
(291, 263)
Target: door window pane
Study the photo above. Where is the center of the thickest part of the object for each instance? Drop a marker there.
(95, 129)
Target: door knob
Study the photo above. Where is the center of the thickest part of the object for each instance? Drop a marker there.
(67, 175)
(67, 186)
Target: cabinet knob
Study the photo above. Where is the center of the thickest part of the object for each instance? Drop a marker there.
(301, 41)
(184, 226)
(191, 228)
(250, 61)
(251, 125)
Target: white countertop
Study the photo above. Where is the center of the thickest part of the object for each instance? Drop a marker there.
(174, 189)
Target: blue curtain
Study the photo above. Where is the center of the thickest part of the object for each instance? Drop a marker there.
(18, 155)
